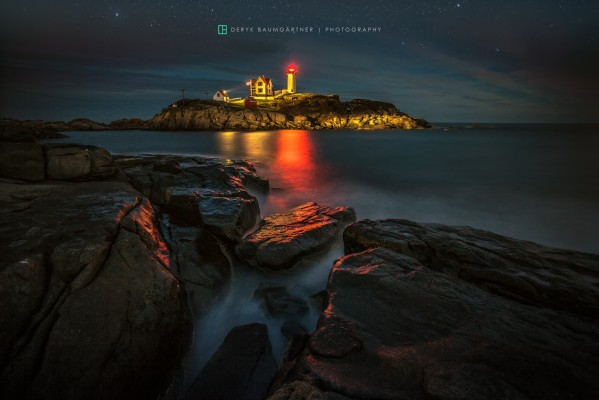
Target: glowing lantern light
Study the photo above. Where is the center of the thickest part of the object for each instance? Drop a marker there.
(291, 71)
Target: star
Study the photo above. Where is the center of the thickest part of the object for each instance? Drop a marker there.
(116, 14)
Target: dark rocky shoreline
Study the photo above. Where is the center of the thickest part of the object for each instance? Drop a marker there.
(105, 260)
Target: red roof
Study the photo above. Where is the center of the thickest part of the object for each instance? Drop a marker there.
(266, 80)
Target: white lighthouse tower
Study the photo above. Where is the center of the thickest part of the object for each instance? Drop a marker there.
(291, 71)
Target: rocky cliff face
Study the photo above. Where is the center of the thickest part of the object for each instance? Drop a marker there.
(298, 111)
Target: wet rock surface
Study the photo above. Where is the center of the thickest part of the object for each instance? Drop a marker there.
(87, 295)
(284, 240)
(205, 209)
(241, 368)
(399, 326)
(199, 260)
(96, 279)
(520, 270)
(103, 260)
(197, 192)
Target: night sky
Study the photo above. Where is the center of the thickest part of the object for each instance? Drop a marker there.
(458, 61)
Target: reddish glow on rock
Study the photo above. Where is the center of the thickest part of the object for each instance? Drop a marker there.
(143, 217)
(367, 269)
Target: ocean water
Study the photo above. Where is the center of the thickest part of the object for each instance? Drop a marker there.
(529, 181)
(533, 182)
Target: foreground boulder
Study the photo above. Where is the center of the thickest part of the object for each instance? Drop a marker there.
(199, 192)
(283, 240)
(399, 327)
(241, 368)
(87, 297)
(77, 162)
(520, 270)
(204, 209)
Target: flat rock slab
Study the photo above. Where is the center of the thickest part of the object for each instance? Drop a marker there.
(283, 240)
(241, 368)
(396, 329)
(516, 269)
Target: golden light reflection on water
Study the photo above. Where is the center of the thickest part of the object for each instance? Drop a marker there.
(226, 142)
(259, 146)
(287, 159)
(254, 146)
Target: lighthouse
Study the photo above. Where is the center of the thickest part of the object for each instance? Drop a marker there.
(291, 71)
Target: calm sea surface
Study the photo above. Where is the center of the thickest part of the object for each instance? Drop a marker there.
(534, 182)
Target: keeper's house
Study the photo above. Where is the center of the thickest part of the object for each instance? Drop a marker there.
(221, 95)
(260, 87)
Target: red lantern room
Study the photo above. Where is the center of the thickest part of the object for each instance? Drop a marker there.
(291, 71)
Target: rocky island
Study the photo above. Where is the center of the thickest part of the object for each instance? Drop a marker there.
(290, 111)
(106, 260)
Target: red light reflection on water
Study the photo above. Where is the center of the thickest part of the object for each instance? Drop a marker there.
(285, 157)
(296, 169)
